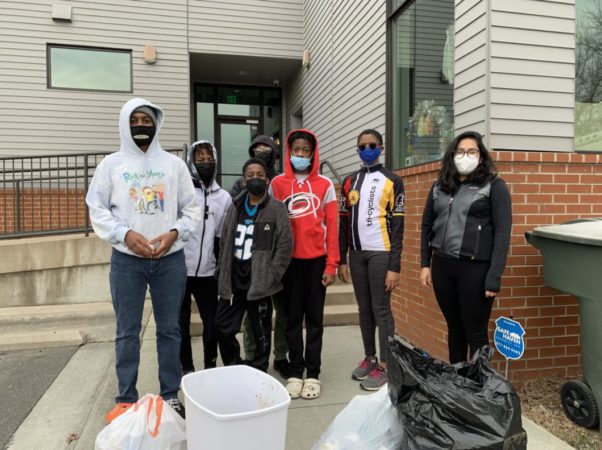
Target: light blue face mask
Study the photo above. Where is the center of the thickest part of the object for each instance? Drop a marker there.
(300, 163)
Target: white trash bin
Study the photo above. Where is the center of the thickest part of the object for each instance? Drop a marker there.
(235, 407)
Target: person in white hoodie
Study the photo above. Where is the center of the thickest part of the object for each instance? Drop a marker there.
(142, 202)
(201, 253)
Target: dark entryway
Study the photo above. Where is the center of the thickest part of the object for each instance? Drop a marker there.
(230, 117)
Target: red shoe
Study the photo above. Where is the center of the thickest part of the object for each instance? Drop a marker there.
(118, 410)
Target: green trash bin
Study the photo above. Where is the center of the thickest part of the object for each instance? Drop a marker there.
(572, 261)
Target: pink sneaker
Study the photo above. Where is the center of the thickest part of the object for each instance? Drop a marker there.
(376, 380)
(367, 365)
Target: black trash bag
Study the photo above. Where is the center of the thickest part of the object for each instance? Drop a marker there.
(461, 406)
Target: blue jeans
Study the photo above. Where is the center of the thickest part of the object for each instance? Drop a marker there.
(129, 278)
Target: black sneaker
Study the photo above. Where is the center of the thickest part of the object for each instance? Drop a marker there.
(283, 367)
(177, 406)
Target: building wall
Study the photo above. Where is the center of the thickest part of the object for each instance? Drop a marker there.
(246, 27)
(344, 87)
(37, 120)
(515, 70)
(471, 64)
(546, 188)
(293, 102)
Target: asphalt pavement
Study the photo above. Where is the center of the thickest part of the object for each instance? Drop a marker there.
(25, 375)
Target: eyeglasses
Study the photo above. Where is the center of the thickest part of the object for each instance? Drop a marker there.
(460, 153)
(371, 145)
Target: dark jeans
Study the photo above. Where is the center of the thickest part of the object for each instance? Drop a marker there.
(204, 291)
(129, 278)
(368, 273)
(305, 297)
(228, 321)
(459, 286)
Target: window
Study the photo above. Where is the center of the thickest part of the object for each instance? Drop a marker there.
(588, 76)
(421, 78)
(89, 68)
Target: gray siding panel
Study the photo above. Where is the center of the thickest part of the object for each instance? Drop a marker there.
(471, 66)
(344, 88)
(63, 118)
(532, 74)
(246, 27)
(520, 68)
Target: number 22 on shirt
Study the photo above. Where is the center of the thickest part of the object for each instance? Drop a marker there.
(243, 241)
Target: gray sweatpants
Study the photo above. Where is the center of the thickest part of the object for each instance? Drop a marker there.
(368, 273)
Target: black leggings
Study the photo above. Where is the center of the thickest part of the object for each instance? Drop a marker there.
(460, 290)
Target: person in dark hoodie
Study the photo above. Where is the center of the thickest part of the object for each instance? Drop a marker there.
(201, 253)
(255, 250)
(466, 227)
(264, 148)
(311, 203)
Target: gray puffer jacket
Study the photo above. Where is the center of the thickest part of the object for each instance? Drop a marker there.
(272, 248)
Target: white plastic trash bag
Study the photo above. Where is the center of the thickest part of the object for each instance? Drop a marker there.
(368, 422)
(150, 424)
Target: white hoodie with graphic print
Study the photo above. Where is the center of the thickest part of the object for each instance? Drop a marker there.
(150, 193)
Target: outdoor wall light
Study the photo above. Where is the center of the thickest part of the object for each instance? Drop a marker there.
(306, 60)
(61, 12)
(150, 54)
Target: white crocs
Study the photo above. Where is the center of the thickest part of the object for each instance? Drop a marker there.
(311, 389)
(294, 387)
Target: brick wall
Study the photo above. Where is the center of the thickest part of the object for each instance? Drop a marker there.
(546, 188)
(41, 210)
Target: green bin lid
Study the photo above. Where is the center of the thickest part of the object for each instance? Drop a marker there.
(580, 231)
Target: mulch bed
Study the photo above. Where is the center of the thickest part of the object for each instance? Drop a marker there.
(540, 402)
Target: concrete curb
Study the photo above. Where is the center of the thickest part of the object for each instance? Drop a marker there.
(42, 339)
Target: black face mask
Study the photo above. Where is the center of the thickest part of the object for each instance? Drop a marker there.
(205, 171)
(266, 157)
(143, 135)
(256, 186)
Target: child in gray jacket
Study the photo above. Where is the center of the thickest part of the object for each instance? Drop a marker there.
(255, 251)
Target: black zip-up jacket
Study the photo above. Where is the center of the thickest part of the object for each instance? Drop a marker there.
(474, 223)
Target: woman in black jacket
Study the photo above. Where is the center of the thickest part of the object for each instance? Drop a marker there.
(466, 228)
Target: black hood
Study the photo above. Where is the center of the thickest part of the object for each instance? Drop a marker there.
(265, 140)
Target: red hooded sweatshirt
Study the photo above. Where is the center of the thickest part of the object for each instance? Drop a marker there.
(312, 208)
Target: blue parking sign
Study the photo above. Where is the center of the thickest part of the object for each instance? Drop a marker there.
(508, 338)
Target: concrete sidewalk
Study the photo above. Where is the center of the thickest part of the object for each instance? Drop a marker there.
(70, 414)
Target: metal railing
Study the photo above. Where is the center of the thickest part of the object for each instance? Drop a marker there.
(45, 195)
(327, 163)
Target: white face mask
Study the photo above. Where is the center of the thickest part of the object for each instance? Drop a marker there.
(466, 165)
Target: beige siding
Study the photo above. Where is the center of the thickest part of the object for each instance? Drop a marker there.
(471, 66)
(36, 120)
(515, 66)
(532, 87)
(344, 88)
(246, 27)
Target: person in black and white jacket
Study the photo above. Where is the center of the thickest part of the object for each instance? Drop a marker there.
(201, 253)
(466, 228)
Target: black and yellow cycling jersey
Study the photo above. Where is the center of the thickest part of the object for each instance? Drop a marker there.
(371, 212)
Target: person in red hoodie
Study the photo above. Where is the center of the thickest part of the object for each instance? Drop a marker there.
(312, 207)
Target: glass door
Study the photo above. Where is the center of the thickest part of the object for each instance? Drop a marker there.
(234, 141)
